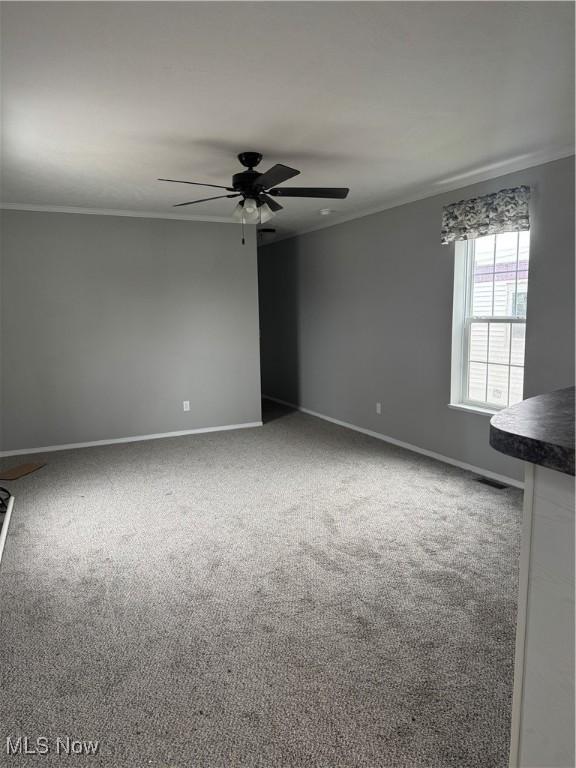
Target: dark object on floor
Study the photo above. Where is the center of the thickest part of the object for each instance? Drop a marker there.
(15, 473)
(4, 499)
(492, 483)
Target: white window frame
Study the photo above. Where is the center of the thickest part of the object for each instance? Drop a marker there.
(462, 299)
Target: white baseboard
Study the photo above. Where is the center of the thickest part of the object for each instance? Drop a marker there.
(401, 444)
(5, 524)
(136, 439)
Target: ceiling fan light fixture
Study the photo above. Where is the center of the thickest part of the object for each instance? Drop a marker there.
(250, 206)
(238, 212)
(251, 216)
(248, 212)
(266, 213)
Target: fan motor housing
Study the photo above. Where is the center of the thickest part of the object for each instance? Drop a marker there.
(245, 181)
(250, 159)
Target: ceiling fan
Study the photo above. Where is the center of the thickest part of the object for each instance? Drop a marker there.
(258, 190)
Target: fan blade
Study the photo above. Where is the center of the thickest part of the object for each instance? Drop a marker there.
(278, 174)
(337, 193)
(204, 200)
(272, 204)
(198, 184)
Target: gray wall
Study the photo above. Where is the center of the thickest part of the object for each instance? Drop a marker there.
(109, 323)
(362, 312)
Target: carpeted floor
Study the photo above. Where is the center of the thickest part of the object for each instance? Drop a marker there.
(294, 596)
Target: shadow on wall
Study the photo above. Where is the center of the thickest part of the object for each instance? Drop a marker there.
(271, 411)
(279, 331)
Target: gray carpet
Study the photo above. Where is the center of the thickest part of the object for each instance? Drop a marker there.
(292, 596)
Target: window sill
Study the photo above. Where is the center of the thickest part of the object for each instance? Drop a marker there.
(473, 409)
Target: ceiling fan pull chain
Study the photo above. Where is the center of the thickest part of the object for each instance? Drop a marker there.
(243, 241)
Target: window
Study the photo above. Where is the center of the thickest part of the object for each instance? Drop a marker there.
(489, 328)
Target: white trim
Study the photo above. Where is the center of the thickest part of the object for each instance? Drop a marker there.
(472, 409)
(135, 439)
(5, 524)
(113, 212)
(461, 285)
(514, 165)
(522, 615)
(462, 320)
(402, 444)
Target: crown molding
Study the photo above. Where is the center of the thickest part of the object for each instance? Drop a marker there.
(440, 187)
(113, 212)
(432, 189)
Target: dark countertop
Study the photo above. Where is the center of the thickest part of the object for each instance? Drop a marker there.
(539, 430)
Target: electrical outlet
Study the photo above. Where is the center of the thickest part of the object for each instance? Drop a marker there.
(186, 405)
(379, 409)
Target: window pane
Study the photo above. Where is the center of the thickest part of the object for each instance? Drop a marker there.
(522, 287)
(497, 288)
(505, 274)
(477, 382)
(504, 294)
(483, 276)
(499, 348)
(497, 391)
(518, 341)
(500, 275)
(482, 294)
(506, 249)
(521, 294)
(484, 251)
(523, 245)
(516, 385)
(478, 348)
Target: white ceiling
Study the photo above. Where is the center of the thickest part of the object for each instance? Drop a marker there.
(396, 100)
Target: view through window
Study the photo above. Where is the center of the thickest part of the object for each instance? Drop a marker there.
(495, 319)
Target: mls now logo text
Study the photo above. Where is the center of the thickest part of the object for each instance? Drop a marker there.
(42, 745)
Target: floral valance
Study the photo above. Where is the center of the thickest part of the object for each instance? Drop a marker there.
(504, 211)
